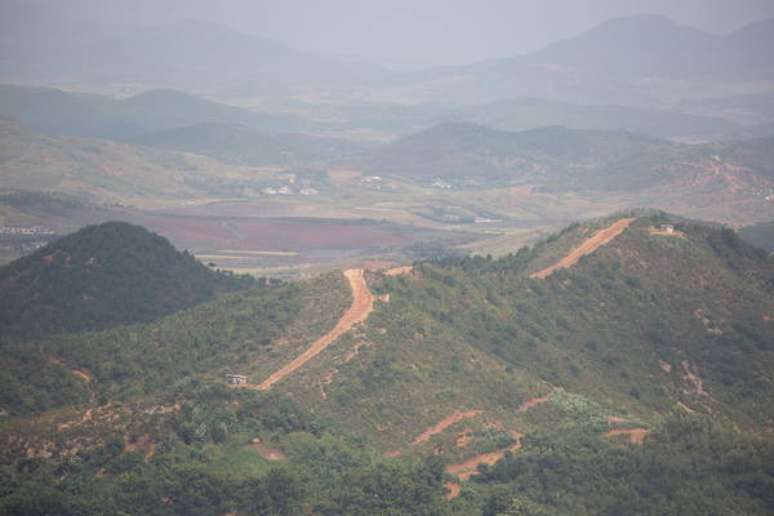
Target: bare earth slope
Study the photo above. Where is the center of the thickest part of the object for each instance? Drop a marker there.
(362, 305)
(600, 238)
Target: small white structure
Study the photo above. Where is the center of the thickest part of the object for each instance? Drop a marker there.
(236, 379)
(667, 228)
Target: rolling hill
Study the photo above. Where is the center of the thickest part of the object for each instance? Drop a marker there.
(531, 113)
(752, 109)
(557, 159)
(242, 146)
(102, 276)
(59, 113)
(117, 173)
(473, 379)
(552, 157)
(96, 170)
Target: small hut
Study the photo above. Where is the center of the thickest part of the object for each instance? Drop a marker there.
(236, 379)
(667, 228)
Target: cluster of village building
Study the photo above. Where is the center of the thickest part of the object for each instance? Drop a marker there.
(25, 239)
(26, 230)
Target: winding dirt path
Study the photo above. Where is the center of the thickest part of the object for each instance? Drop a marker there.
(453, 489)
(399, 271)
(600, 238)
(533, 402)
(469, 468)
(362, 305)
(267, 453)
(444, 424)
(633, 435)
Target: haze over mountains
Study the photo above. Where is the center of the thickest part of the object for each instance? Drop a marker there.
(56, 112)
(656, 47)
(601, 65)
(641, 60)
(241, 278)
(197, 56)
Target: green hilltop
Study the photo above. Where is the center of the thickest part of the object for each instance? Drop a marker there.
(102, 276)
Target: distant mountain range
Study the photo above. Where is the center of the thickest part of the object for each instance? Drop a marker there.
(194, 55)
(639, 60)
(240, 145)
(178, 120)
(655, 47)
(634, 60)
(173, 120)
(151, 168)
(529, 113)
(56, 112)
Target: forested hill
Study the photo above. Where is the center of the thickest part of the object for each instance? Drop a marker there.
(474, 385)
(102, 276)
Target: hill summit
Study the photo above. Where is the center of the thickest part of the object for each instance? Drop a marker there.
(101, 276)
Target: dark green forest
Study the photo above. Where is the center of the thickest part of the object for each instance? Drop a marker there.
(102, 276)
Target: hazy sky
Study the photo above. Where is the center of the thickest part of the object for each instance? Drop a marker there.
(421, 31)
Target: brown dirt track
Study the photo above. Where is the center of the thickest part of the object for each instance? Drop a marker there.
(531, 403)
(444, 424)
(600, 238)
(633, 435)
(454, 490)
(399, 271)
(358, 312)
(469, 468)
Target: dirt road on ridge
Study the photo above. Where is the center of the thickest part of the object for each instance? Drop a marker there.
(362, 305)
(600, 238)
